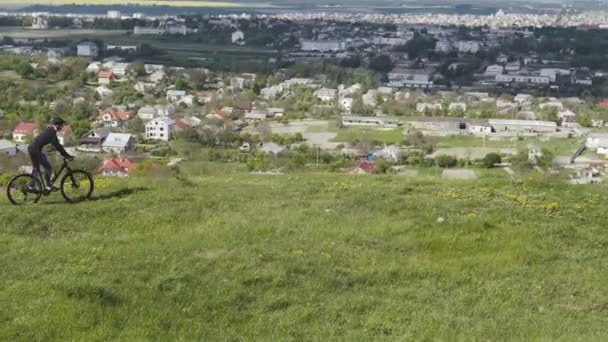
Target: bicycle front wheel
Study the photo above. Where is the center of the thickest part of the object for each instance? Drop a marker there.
(24, 189)
(77, 186)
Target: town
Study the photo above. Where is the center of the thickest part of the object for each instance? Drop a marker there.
(374, 96)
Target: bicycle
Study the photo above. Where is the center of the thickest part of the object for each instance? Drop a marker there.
(76, 186)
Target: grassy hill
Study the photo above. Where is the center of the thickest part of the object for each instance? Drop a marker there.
(308, 257)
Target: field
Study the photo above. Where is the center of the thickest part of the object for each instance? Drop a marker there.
(383, 136)
(559, 146)
(231, 256)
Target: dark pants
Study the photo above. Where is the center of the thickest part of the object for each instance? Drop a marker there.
(39, 159)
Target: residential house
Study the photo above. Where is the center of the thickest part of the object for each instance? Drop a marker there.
(458, 106)
(425, 106)
(363, 167)
(566, 116)
(552, 104)
(7, 148)
(175, 95)
(144, 87)
(114, 117)
(104, 91)
(349, 91)
(117, 167)
(370, 98)
(271, 148)
(186, 123)
(94, 139)
(161, 128)
(346, 104)
(493, 70)
(391, 153)
(256, 115)
(165, 110)
(157, 76)
(206, 96)
(64, 135)
(87, 49)
(147, 113)
(411, 78)
(325, 94)
(187, 100)
(524, 99)
(105, 77)
(243, 104)
(218, 114)
(24, 131)
(275, 112)
(238, 37)
(118, 143)
(120, 69)
(94, 68)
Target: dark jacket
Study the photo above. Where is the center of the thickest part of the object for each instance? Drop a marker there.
(46, 137)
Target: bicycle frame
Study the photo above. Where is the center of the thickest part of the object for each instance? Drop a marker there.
(55, 176)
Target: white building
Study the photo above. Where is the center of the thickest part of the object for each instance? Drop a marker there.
(323, 45)
(7, 148)
(553, 73)
(238, 37)
(410, 78)
(147, 113)
(40, 23)
(346, 104)
(493, 70)
(118, 143)
(468, 46)
(87, 49)
(114, 15)
(369, 121)
(423, 107)
(444, 46)
(598, 142)
(325, 94)
(161, 128)
(175, 95)
(522, 78)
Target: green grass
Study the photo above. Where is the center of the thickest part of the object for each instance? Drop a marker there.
(559, 146)
(389, 136)
(319, 257)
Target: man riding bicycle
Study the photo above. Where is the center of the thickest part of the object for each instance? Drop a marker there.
(46, 137)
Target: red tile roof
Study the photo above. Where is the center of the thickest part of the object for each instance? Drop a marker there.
(365, 166)
(105, 74)
(117, 164)
(115, 114)
(65, 131)
(25, 128)
(179, 123)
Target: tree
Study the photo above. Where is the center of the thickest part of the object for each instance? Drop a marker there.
(24, 69)
(490, 160)
(136, 69)
(382, 63)
(446, 161)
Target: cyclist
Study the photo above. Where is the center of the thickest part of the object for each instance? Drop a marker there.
(46, 137)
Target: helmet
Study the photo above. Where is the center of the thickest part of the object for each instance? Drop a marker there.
(57, 121)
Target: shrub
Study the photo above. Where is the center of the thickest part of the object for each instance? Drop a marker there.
(490, 160)
(446, 161)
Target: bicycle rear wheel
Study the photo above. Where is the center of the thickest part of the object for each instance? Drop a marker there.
(24, 189)
(77, 186)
